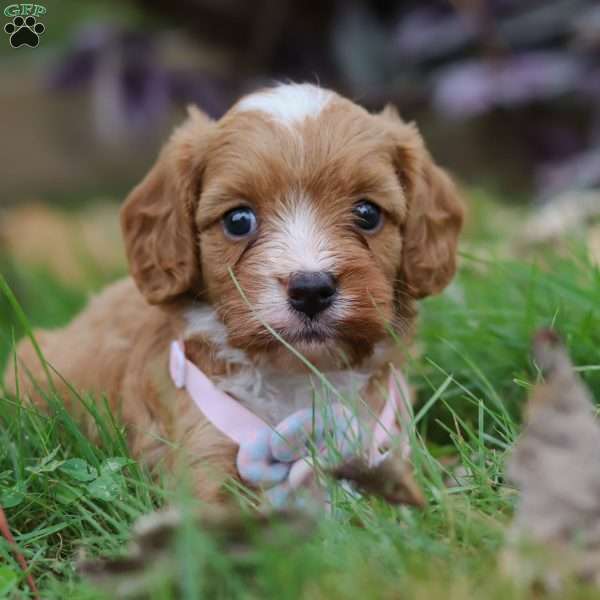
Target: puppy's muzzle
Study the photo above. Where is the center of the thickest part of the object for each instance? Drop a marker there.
(311, 292)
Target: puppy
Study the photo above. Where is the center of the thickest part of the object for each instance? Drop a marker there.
(297, 213)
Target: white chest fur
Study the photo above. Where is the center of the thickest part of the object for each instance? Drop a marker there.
(273, 396)
(268, 393)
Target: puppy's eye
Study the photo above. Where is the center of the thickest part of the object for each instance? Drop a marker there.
(240, 222)
(367, 215)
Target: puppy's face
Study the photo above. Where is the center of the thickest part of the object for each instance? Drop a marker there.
(330, 221)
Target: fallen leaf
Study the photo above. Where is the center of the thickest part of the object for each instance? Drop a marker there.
(152, 558)
(566, 212)
(392, 479)
(556, 466)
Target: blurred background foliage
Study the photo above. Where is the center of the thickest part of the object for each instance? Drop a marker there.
(507, 92)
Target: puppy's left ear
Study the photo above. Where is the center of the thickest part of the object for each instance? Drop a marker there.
(157, 219)
(435, 211)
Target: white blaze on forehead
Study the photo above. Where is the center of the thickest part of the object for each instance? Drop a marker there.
(300, 242)
(288, 103)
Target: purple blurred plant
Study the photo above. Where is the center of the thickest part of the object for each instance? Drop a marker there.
(132, 89)
(533, 58)
(432, 32)
(473, 87)
(461, 59)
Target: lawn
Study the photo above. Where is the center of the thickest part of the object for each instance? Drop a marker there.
(65, 497)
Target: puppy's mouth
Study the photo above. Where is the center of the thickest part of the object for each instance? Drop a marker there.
(310, 337)
(309, 333)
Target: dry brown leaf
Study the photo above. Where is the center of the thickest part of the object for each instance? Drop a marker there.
(567, 212)
(556, 466)
(392, 479)
(151, 557)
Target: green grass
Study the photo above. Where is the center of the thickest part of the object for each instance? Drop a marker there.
(472, 374)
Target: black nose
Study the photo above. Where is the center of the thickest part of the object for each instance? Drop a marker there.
(311, 292)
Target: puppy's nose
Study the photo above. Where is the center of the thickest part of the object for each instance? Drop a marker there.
(311, 292)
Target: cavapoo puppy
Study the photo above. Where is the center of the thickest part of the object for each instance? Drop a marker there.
(298, 216)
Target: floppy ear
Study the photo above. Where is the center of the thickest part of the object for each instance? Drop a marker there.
(435, 212)
(157, 219)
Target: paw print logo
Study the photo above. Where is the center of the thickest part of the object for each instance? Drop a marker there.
(24, 32)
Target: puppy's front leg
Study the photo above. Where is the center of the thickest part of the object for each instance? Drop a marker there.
(167, 431)
(170, 435)
(209, 458)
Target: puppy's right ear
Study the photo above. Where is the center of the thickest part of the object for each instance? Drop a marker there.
(157, 219)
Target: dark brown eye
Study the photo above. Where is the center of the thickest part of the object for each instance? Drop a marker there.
(367, 215)
(240, 222)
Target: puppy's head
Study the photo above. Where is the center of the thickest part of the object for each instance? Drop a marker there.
(330, 219)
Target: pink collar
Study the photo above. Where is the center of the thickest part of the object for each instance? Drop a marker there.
(240, 425)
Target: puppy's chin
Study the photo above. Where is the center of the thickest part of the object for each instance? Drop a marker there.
(326, 354)
(327, 346)
(309, 334)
